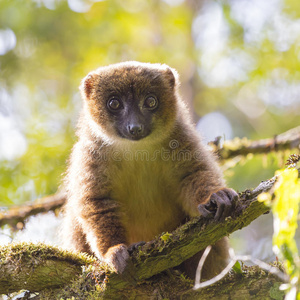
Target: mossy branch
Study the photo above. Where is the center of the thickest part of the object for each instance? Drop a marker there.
(242, 147)
(36, 267)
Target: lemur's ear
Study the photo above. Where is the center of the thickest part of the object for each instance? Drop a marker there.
(171, 75)
(87, 85)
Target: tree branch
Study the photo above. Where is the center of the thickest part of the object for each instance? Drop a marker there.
(19, 213)
(34, 268)
(37, 267)
(285, 141)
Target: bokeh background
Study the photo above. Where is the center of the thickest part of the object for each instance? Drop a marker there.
(238, 61)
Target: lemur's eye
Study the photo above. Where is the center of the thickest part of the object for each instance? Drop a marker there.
(151, 102)
(114, 104)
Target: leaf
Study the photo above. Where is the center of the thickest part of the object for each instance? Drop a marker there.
(285, 208)
(237, 268)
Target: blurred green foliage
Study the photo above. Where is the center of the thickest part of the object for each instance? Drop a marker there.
(285, 209)
(251, 80)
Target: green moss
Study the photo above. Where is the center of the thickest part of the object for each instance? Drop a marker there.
(166, 237)
(276, 293)
(29, 251)
(91, 284)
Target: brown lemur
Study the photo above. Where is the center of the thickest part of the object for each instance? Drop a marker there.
(139, 167)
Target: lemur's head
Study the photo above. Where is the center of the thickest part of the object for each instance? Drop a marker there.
(131, 100)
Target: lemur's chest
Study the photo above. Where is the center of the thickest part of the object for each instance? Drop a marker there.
(148, 192)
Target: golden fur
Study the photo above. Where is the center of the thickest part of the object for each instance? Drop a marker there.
(122, 191)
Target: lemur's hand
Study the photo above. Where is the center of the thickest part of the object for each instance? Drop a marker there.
(117, 257)
(220, 205)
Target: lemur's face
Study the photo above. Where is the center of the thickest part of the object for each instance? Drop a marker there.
(131, 100)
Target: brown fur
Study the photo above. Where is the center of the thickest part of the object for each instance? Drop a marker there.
(122, 191)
